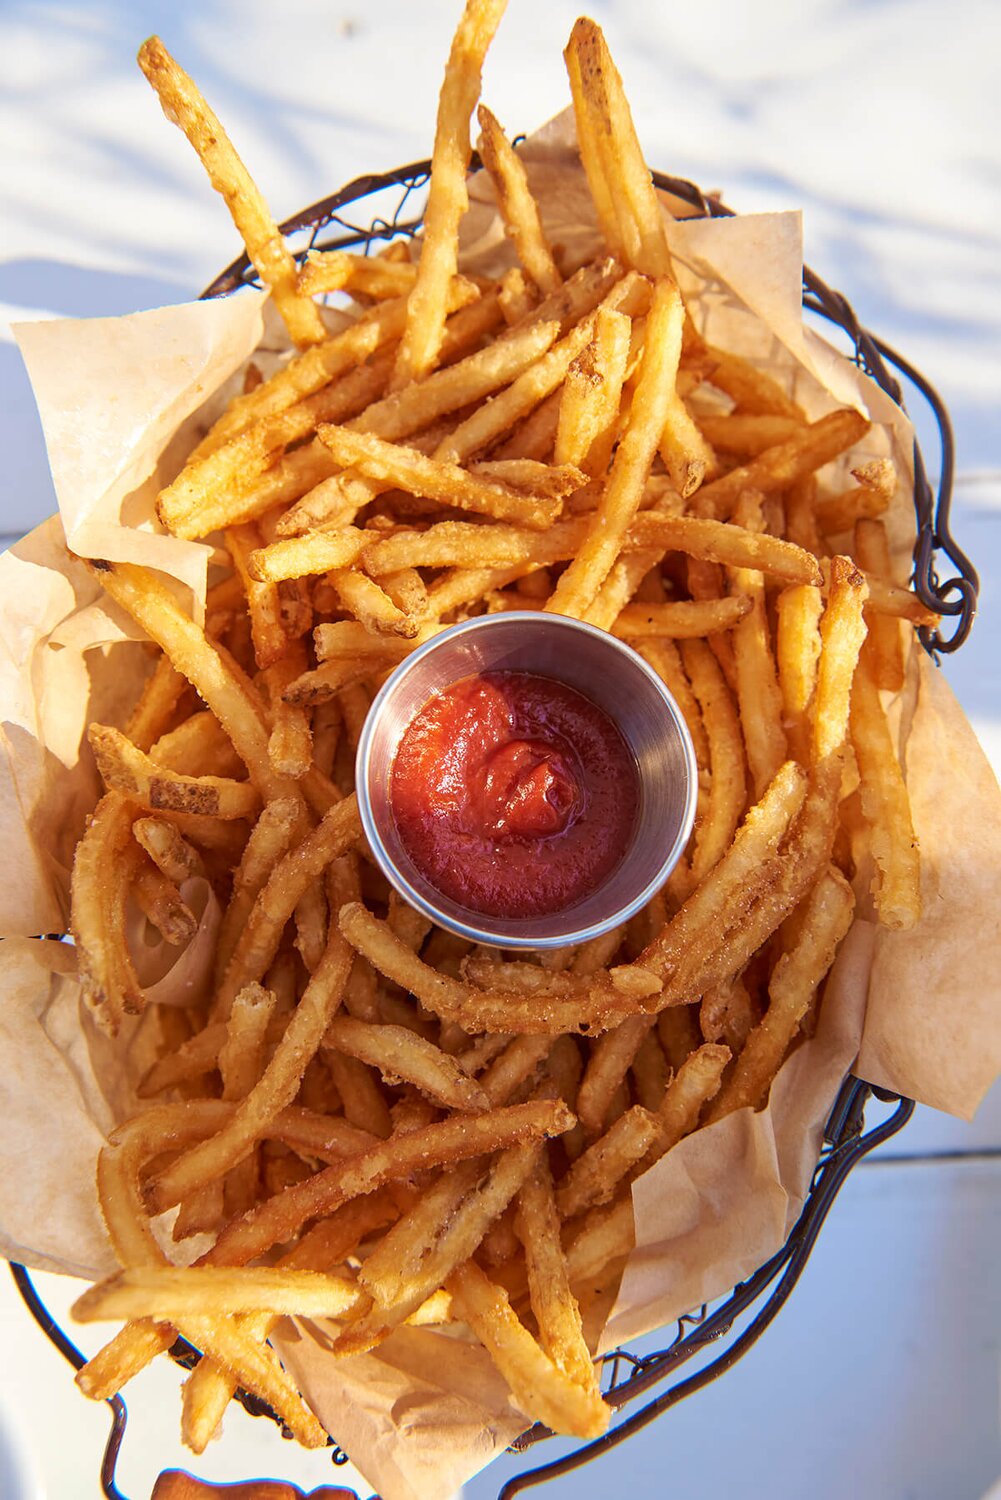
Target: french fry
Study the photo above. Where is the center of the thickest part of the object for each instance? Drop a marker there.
(758, 692)
(325, 271)
(371, 605)
(172, 855)
(126, 769)
(696, 1082)
(514, 199)
(867, 500)
(885, 806)
(554, 1306)
(623, 492)
(716, 541)
(154, 712)
(147, 599)
(592, 392)
(399, 1053)
(316, 552)
(610, 1061)
(435, 478)
(686, 619)
(541, 1014)
(101, 873)
(160, 902)
(790, 991)
(797, 651)
(595, 1176)
(184, 106)
(665, 658)
(885, 647)
(361, 1096)
(624, 176)
(536, 1384)
(448, 1141)
(269, 841)
(778, 467)
(748, 435)
(752, 391)
(170, 1292)
(270, 640)
(447, 197)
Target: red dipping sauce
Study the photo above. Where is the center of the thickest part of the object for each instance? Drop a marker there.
(513, 794)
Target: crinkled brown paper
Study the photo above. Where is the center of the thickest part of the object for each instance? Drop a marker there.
(121, 401)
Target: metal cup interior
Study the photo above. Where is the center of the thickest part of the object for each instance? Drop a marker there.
(603, 669)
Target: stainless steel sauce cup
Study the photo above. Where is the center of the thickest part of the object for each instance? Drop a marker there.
(603, 669)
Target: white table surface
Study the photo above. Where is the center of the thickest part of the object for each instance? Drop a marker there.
(880, 1378)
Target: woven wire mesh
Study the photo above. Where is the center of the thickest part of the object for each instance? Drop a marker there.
(372, 211)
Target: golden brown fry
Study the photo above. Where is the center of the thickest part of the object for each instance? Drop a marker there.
(779, 467)
(184, 106)
(101, 876)
(371, 605)
(172, 855)
(592, 393)
(885, 805)
(316, 552)
(885, 646)
(748, 435)
(626, 180)
(153, 714)
(842, 631)
(751, 389)
(160, 902)
(665, 658)
(684, 620)
(258, 942)
(791, 988)
(758, 692)
(715, 828)
(797, 650)
(434, 478)
(611, 1058)
(540, 1014)
(267, 631)
(241, 1055)
(717, 541)
(148, 600)
(537, 1225)
(452, 1140)
(447, 196)
(215, 1291)
(270, 840)
(868, 499)
(399, 1053)
(537, 1384)
(695, 1083)
(338, 270)
(623, 493)
(514, 199)
(596, 1174)
(126, 769)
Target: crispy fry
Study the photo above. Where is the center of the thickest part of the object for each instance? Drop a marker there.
(272, 835)
(399, 1053)
(514, 199)
(897, 883)
(758, 690)
(101, 874)
(714, 830)
(592, 392)
(715, 541)
(448, 1141)
(537, 1225)
(797, 650)
(172, 855)
(885, 647)
(435, 478)
(214, 1291)
(154, 712)
(596, 1174)
(447, 197)
(611, 1059)
(537, 1385)
(778, 467)
(160, 902)
(623, 492)
(792, 986)
(126, 769)
(685, 620)
(184, 106)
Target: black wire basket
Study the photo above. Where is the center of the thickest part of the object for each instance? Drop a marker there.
(389, 204)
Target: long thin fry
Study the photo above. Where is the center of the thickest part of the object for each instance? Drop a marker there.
(447, 197)
(184, 106)
(514, 199)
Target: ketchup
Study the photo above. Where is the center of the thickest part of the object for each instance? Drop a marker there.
(513, 794)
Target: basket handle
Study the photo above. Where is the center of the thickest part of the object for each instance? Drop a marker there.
(177, 1484)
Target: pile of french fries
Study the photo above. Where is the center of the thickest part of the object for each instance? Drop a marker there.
(373, 1122)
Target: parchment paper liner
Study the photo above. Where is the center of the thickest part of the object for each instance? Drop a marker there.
(920, 1008)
